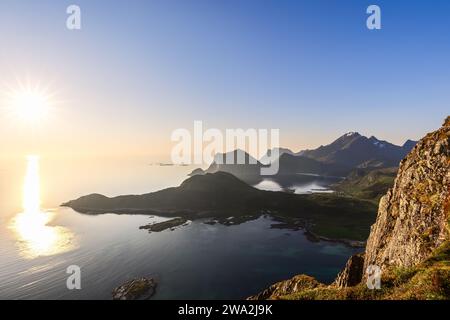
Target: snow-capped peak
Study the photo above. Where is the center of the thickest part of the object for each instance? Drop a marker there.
(377, 142)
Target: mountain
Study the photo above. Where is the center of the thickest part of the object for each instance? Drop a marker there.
(354, 150)
(409, 144)
(339, 158)
(269, 156)
(222, 195)
(291, 164)
(288, 164)
(409, 242)
(242, 165)
(218, 191)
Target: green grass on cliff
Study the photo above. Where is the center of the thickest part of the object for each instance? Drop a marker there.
(368, 184)
(342, 217)
(428, 281)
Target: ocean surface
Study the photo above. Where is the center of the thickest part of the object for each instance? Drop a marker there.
(197, 261)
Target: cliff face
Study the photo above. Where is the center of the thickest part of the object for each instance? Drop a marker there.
(410, 240)
(413, 216)
(352, 273)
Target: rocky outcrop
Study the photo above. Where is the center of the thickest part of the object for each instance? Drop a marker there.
(161, 226)
(352, 273)
(413, 216)
(136, 289)
(282, 288)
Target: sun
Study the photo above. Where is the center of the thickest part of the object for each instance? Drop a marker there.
(30, 106)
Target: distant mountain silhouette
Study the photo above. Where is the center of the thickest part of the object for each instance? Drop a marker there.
(201, 192)
(248, 169)
(353, 150)
(292, 164)
(270, 154)
(338, 158)
(409, 144)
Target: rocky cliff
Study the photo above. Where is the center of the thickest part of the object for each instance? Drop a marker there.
(413, 216)
(409, 242)
(352, 273)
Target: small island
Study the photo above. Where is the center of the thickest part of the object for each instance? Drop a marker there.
(161, 226)
(135, 289)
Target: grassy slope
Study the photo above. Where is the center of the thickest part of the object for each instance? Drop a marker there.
(339, 217)
(429, 280)
(368, 184)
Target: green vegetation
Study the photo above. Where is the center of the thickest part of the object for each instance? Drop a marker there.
(368, 184)
(338, 217)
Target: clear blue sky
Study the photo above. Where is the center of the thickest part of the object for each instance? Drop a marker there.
(139, 69)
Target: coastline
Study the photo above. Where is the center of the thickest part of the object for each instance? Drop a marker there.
(180, 218)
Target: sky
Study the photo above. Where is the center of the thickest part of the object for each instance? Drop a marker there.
(138, 70)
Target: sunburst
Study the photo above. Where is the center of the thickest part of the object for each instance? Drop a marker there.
(27, 103)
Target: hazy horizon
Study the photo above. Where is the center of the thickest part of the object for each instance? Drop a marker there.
(311, 69)
(115, 115)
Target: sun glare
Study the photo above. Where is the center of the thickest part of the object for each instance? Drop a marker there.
(36, 237)
(28, 104)
(31, 188)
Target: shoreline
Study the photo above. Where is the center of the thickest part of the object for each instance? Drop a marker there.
(180, 218)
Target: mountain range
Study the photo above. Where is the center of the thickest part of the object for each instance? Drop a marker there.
(339, 158)
(355, 150)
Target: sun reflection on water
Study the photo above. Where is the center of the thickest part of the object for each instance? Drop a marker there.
(35, 236)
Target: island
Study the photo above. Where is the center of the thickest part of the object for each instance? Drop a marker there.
(223, 198)
(161, 226)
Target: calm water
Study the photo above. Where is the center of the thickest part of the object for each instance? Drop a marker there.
(299, 183)
(198, 261)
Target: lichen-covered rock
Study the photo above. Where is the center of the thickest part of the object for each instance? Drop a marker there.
(136, 289)
(293, 285)
(413, 216)
(352, 273)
